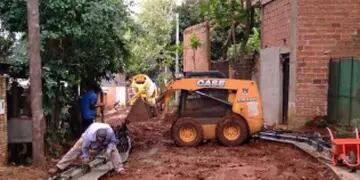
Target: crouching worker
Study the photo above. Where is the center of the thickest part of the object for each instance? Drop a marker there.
(98, 139)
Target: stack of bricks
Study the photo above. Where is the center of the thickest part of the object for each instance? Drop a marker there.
(325, 30)
(202, 53)
(3, 123)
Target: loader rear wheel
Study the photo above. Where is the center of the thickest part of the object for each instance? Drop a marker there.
(232, 131)
(187, 132)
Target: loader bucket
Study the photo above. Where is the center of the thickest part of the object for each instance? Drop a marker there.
(140, 111)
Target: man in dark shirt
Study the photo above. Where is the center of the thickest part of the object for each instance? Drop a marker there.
(88, 106)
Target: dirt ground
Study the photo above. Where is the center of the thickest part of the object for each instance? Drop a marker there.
(21, 173)
(154, 156)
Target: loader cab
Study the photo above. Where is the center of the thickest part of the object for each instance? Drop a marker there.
(193, 104)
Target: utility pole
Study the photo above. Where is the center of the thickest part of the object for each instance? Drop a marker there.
(38, 121)
(177, 45)
(177, 73)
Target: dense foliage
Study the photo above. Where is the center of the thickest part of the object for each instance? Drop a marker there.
(6, 43)
(86, 40)
(234, 28)
(151, 49)
(82, 41)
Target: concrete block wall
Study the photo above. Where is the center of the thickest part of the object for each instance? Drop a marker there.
(3, 123)
(275, 23)
(202, 54)
(325, 29)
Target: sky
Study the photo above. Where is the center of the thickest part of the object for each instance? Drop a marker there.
(137, 5)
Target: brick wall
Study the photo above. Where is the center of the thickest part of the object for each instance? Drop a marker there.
(347, 47)
(275, 26)
(325, 29)
(202, 54)
(3, 124)
(220, 66)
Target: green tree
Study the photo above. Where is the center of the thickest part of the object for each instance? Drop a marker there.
(233, 23)
(6, 43)
(189, 14)
(18, 59)
(195, 43)
(81, 41)
(151, 48)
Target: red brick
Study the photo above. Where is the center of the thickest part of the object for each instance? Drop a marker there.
(275, 23)
(202, 54)
(320, 32)
(325, 29)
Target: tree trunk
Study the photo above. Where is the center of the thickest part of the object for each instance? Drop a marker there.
(194, 53)
(35, 84)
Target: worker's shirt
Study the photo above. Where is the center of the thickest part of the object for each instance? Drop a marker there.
(87, 103)
(90, 141)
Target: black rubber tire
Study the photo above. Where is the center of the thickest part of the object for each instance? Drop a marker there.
(186, 122)
(244, 132)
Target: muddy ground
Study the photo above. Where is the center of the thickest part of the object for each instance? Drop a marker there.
(21, 173)
(155, 156)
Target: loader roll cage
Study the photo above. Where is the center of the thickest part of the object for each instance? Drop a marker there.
(191, 85)
(212, 97)
(213, 74)
(200, 85)
(192, 103)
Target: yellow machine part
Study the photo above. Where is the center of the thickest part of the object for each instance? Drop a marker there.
(244, 98)
(209, 131)
(187, 134)
(143, 87)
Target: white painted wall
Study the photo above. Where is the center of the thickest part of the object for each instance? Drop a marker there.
(121, 95)
(270, 84)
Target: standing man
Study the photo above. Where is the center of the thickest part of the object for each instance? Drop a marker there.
(88, 106)
(98, 139)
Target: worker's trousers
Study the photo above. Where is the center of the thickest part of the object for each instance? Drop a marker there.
(76, 151)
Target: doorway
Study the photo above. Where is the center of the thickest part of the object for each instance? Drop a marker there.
(285, 62)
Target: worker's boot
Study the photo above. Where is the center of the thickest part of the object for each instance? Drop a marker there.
(120, 170)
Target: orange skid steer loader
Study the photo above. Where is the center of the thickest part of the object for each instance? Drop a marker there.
(211, 107)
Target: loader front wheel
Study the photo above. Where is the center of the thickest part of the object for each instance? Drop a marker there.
(232, 131)
(187, 132)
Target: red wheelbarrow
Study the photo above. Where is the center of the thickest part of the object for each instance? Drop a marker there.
(346, 150)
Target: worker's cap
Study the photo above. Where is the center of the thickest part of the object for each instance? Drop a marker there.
(101, 134)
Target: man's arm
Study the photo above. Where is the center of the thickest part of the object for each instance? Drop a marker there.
(94, 104)
(112, 143)
(93, 100)
(85, 148)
